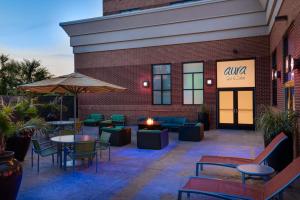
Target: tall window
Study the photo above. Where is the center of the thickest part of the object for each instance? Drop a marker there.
(161, 79)
(193, 83)
(274, 80)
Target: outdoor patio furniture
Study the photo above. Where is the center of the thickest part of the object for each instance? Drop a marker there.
(43, 149)
(255, 170)
(155, 126)
(224, 189)
(171, 123)
(120, 135)
(191, 132)
(93, 119)
(67, 140)
(152, 139)
(103, 143)
(115, 120)
(67, 132)
(81, 151)
(233, 162)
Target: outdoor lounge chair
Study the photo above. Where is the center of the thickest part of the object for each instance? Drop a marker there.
(234, 161)
(233, 190)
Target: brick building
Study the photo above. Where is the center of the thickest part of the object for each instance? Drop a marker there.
(191, 52)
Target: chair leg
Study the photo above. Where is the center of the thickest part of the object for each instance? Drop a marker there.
(188, 195)
(179, 195)
(73, 163)
(52, 159)
(96, 162)
(38, 163)
(108, 153)
(100, 153)
(31, 158)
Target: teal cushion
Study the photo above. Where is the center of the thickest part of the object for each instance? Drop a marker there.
(118, 118)
(90, 121)
(170, 125)
(149, 131)
(96, 116)
(112, 129)
(199, 124)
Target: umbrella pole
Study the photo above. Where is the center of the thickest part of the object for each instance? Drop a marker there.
(61, 106)
(75, 108)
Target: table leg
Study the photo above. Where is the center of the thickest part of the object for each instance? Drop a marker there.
(243, 178)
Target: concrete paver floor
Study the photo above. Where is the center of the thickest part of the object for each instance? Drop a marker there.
(142, 174)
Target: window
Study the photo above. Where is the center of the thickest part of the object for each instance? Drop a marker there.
(274, 80)
(161, 79)
(193, 83)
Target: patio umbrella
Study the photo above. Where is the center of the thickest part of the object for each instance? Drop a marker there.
(74, 83)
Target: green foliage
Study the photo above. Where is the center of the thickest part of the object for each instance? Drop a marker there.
(204, 108)
(14, 73)
(273, 121)
(37, 122)
(24, 110)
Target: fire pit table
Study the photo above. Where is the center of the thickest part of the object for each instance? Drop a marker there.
(145, 126)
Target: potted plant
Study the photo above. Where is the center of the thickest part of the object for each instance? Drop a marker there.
(10, 168)
(272, 122)
(203, 116)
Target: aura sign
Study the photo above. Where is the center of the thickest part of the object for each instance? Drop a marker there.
(236, 74)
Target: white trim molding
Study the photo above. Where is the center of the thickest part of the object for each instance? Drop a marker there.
(206, 20)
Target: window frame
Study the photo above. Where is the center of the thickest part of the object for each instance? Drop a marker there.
(193, 90)
(161, 84)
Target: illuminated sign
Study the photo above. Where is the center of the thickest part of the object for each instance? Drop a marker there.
(236, 74)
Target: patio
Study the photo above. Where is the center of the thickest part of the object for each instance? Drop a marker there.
(141, 174)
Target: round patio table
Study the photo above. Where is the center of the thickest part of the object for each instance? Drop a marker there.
(69, 139)
(255, 170)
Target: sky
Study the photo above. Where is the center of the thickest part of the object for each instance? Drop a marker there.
(30, 29)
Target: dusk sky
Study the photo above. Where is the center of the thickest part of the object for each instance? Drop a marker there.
(30, 29)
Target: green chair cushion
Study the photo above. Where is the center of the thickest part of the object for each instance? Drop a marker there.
(112, 129)
(149, 131)
(118, 118)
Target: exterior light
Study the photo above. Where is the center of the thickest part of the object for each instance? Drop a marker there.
(209, 82)
(276, 74)
(146, 84)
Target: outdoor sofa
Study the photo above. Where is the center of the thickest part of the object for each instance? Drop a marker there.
(120, 135)
(115, 119)
(93, 119)
(191, 132)
(171, 123)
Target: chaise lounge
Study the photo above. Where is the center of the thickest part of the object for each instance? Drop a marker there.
(233, 162)
(233, 190)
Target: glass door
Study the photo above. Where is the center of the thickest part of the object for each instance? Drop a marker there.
(236, 109)
(245, 108)
(226, 109)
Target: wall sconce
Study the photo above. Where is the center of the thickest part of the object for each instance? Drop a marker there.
(209, 82)
(276, 74)
(146, 84)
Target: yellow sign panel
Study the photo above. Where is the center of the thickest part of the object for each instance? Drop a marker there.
(236, 74)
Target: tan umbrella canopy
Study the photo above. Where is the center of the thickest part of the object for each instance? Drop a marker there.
(74, 83)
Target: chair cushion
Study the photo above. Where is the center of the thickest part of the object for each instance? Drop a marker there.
(149, 131)
(112, 129)
(96, 116)
(118, 118)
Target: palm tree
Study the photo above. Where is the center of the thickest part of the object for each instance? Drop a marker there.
(33, 71)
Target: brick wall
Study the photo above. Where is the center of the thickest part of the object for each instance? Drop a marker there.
(129, 68)
(291, 8)
(114, 6)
